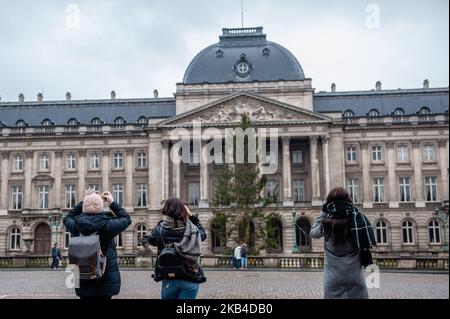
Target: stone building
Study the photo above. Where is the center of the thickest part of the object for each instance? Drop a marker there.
(389, 148)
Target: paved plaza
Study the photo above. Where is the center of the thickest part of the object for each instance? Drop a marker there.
(34, 284)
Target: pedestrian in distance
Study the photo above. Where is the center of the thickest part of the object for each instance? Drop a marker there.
(89, 218)
(237, 257)
(244, 256)
(56, 256)
(348, 238)
(178, 238)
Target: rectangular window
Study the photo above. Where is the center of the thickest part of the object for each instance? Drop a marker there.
(142, 195)
(297, 157)
(405, 189)
(353, 189)
(378, 190)
(194, 193)
(95, 187)
(18, 163)
(402, 153)
(299, 191)
(118, 193)
(70, 196)
(119, 241)
(376, 153)
(16, 197)
(272, 190)
(94, 161)
(142, 160)
(351, 154)
(71, 161)
(43, 196)
(44, 162)
(429, 153)
(431, 188)
(118, 160)
(14, 239)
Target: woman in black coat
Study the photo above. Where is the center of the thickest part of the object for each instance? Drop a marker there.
(176, 226)
(87, 218)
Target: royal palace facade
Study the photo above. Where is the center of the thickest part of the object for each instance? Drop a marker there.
(389, 148)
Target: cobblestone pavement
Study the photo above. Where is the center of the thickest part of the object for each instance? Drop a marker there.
(32, 284)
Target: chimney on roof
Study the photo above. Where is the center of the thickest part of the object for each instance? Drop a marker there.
(333, 88)
(113, 95)
(21, 98)
(40, 97)
(68, 96)
(155, 93)
(378, 86)
(426, 84)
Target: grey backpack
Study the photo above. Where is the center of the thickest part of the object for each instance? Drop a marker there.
(86, 253)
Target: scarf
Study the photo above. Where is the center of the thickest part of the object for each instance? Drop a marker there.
(189, 248)
(362, 231)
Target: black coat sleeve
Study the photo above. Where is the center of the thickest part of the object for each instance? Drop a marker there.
(69, 221)
(200, 227)
(154, 237)
(117, 225)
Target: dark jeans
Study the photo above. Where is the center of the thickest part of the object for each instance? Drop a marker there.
(55, 262)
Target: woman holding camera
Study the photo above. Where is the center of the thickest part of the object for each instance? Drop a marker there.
(348, 238)
(89, 217)
(182, 231)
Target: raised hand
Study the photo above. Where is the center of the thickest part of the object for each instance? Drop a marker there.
(188, 211)
(107, 197)
(89, 191)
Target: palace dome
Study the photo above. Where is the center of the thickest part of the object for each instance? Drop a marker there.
(243, 55)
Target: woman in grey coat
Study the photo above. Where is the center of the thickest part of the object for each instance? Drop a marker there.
(347, 232)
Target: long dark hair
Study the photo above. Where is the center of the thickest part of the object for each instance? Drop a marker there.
(337, 230)
(174, 208)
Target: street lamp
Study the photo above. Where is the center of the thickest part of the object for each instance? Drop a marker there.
(444, 218)
(295, 250)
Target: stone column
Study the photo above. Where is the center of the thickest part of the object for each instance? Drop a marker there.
(154, 171)
(28, 176)
(287, 175)
(443, 163)
(418, 178)
(165, 162)
(129, 179)
(176, 175)
(366, 182)
(393, 197)
(315, 180)
(204, 177)
(58, 191)
(81, 174)
(105, 170)
(4, 181)
(326, 165)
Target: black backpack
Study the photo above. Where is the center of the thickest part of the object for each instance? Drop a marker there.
(170, 263)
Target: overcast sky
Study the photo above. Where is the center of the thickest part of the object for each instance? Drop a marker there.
(133, 47)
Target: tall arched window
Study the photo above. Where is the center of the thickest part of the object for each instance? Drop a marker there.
(302, 229)
(218, 235)
(247, 234)
(381, 231)
(14, 239)
(274, 235)
(408, 232)
(434, 231)
(141, 232)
